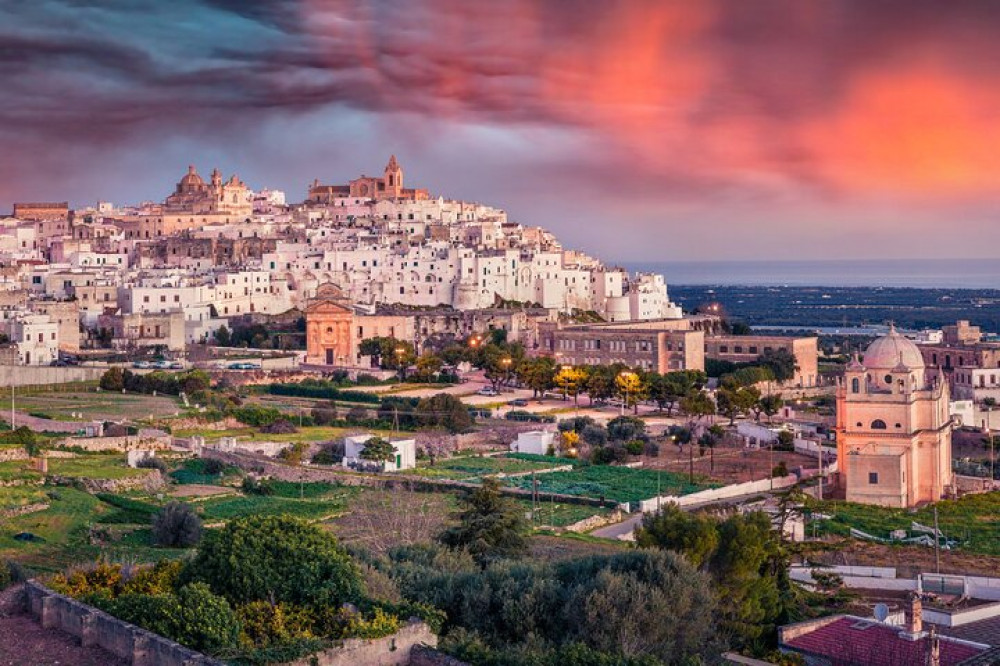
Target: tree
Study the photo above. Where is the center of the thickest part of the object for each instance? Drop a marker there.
(538, 374)
(490, 525)
(378, 450)
(769, 405)
(222, 336)
(626, 428)
(601, 382)
(443, 410)
(780, 362)
(697, 404)
(176, 525)
(630, 388)
(786, 440)
(709, 439)
(276, 558)
(570, 381)
(693, 535)
(113, 379)
(428, 365)
(734, 399)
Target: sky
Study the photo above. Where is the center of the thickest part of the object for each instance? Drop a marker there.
(638, 130)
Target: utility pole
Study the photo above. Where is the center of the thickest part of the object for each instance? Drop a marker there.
(937, 544)
(12, 426)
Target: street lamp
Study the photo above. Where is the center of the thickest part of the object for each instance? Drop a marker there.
(400, 352)
(506, 362)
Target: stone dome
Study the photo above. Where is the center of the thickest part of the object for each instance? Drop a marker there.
(892, 352)
(191, 178)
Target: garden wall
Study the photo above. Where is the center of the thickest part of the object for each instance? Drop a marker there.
(94, 627)
(120, 444)
(392, 650)
(716, 494)
(31, 375)
(425, 656)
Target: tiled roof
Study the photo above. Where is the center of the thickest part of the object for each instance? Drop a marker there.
(857, 642)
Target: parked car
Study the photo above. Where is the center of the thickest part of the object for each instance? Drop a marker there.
(176, 365)
(518, 402)
(141, 365)
(487, 390)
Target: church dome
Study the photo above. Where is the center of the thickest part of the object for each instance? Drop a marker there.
(191, 178)
(892, 352)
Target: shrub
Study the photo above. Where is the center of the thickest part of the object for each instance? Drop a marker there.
(279, 427)
(594, 434)
(176, 526)
(781, 469)
(253, 415)
(264, 624)
(211, 466)
(152, 463)
(278, 558)
(331, 453)
(356, 415)
(324, 414)
(253, 486)
(635, 447)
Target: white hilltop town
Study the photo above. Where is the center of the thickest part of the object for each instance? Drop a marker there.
(172, 273)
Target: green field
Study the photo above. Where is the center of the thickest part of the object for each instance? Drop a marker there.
(560, 514)
(14, 470)
(618, 484)
(94, 405)
(473, 468)
(305, 434)
(973, 520)
(95, 466)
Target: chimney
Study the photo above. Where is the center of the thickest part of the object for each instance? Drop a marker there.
(914, 618)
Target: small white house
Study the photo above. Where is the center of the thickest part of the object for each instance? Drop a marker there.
(405, 450)
(537, 442)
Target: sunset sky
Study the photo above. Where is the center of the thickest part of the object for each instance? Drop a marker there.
(637, 130)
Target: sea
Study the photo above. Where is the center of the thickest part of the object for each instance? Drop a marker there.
(915, 273)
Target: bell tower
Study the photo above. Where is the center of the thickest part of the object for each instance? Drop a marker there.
(392, 181)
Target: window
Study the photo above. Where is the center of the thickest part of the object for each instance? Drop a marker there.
(855, 385)
(873, 478)
(878, 424)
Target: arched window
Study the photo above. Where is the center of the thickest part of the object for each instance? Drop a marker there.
(878, 424)
(855, 385)
(329, 329)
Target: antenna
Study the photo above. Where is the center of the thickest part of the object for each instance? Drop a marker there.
(881, 612)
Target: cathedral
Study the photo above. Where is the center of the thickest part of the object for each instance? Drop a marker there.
(389, 186)
(194, 195)
(893, 428)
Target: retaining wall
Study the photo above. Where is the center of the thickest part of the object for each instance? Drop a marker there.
(94, 627)
(392, 650)
(42, 375)
(715, 494)
(121, 444)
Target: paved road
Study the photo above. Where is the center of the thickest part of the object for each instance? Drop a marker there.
(619, 530)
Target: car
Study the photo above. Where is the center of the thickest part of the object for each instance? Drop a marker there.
(518, 402)
(176, 365)
(161, 365)
(141, 365)
(487, 390)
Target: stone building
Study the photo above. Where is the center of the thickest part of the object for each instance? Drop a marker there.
(193, 194)
(389, 186)
(893, 428)
(747, 348)
(662, 346)
(330, 328)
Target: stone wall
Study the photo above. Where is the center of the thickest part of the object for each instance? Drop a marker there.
(149, 480)
(22, 510)
(395, 650)
(94, 627)
(592, 523)
(39, 375)
(119, 444)
(426, 656)
(6, 455)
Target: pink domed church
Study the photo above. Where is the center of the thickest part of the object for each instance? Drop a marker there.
(893, 428)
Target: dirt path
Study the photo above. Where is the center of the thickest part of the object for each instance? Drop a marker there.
(23, 641)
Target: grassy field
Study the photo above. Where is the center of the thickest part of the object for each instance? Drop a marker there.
(14, 470)
(97, 405)
(63, 528)
(95, 466)
(560, 514)
(475, 467)
(973, 520)
(305, 434)
(619, 484)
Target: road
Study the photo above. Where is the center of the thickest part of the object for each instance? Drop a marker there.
(619, 530)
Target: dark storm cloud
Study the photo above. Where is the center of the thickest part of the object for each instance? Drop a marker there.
(650, 101)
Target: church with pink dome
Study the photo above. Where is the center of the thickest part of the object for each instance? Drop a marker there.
(893, 428)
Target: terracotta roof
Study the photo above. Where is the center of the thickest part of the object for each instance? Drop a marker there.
(859, 642)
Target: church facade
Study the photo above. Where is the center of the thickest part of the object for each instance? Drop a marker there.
(893, 428)
(194, 195)
(330, 328)
(370, 188)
